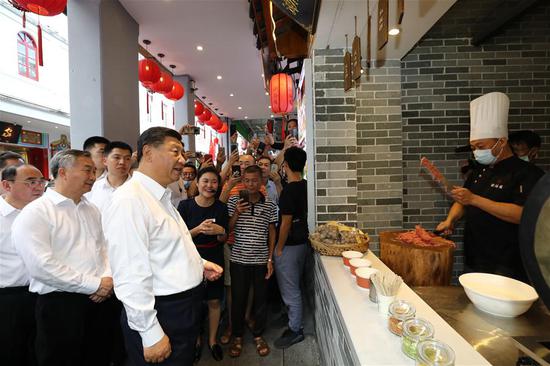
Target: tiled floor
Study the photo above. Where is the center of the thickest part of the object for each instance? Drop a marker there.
(305, 353)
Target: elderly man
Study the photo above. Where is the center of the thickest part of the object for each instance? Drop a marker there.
(22, 184)
(157, 270)
(493, 196)
(60, 240)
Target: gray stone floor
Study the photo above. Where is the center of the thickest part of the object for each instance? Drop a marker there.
(305, 353)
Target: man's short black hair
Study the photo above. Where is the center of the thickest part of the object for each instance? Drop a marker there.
(263, 157)
(117, 145)
(296, 159)
(8, 155)
(91, 141)
(192, 166)
(253, 169)
(10, 172)
(155, 136)
(527, 137)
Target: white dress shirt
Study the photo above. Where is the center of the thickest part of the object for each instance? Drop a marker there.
(150, 250)
(12, 269)
(179, 193)
(62, 244)
(102, 193)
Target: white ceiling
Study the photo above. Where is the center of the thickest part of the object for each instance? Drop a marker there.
(223, 28)
(336, 19)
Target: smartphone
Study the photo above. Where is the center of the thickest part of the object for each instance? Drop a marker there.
(207, 157)
(261, 148)
(244, 195)
(236, 171)
(269, 126)
(234, 147)
(274, 168)
(294, 133)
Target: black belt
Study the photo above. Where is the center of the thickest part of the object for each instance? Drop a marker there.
(181, 295)
(13, 290)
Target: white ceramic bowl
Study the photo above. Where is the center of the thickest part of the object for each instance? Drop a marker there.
(498, 295)
(350, 254)
(356, 263)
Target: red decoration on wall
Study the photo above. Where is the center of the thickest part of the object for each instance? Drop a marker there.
(205, 116)
(199, 108)
(164, 84)
(47, 8)
(148, 72)
(281, 92)
(176, 93)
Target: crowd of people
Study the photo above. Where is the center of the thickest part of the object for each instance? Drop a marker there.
(123, 256)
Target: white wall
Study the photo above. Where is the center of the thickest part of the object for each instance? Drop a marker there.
(52, 88)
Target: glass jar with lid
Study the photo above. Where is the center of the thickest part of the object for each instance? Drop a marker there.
(415, 331)
(399, 311)
(434, 353)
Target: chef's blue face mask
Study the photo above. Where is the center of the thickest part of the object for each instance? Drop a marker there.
(485, 156)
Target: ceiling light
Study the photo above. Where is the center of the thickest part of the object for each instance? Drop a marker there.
(245, 117)
(56, 127)
(219, 77)
(266, 93)
(239, 107)
(28, 121)
(200, 48)
(272, 116)
(262, 75)
(269, 107)
(231, 95)
(394, 31)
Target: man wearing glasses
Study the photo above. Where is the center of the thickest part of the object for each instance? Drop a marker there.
(22, 184)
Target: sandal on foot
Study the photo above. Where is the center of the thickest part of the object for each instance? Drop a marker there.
(236, 347)
(226, 336)
(261, 346)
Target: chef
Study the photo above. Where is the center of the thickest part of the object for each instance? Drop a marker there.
(493, 196)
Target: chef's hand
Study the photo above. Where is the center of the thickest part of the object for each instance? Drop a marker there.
(463, 196)
(159, 351)
(445, 227)
(212, 271)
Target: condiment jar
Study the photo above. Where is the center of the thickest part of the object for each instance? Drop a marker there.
(399, 311)
(415, 331)
(434, 353)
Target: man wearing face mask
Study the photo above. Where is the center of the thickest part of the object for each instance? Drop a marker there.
(526, 145)
(493, 196)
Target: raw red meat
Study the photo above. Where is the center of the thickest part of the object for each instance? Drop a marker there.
(420, 237)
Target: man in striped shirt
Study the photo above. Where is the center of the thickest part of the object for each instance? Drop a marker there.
(253, 218)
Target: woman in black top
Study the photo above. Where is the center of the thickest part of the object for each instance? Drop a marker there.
(206, 217)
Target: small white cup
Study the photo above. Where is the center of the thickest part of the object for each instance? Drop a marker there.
(384, 303)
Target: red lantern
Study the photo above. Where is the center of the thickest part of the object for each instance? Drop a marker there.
(47, 8)
(281, 90)
(223, 129)
(176, 93)
(216, 141)
(164, 84)
(212, 121)
(217, 124)
(205, 116)
(199, 108)
(148, 72)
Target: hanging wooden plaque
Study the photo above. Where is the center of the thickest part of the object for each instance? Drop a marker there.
(356, 58)
(347, 71)
(400, 10)
(369, 45)
(382, 23)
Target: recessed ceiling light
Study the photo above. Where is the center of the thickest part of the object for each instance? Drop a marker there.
(394, 31)
(262, 75)
(269, 107)
(56, 127)
(28, 121)
(210, 103)
(231, 95)
(266, 93)
(245, 117)
(271, 116)
(221, 114)
(219, 77)
(200, 48)
(203, 97)
(239, 107)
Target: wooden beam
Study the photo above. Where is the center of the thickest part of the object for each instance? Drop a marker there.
(499, 17)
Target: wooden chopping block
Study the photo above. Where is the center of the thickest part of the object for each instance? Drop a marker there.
(418, 266)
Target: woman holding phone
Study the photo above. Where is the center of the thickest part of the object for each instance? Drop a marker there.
(207, 220)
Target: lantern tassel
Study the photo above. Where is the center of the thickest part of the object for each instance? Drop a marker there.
(24, 19)
(162, 110)
(40, 54)
(173, 116)
(147, 95)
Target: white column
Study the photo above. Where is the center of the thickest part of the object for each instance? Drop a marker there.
(185, 110)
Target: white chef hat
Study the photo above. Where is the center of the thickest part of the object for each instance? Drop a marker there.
(489, 116)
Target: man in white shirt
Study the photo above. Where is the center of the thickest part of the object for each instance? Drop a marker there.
(22, 184)
(60, 240)
(157, 270)
(117, 160)
(96, 145)
(7, 159)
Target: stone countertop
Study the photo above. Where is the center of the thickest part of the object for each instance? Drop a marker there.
(489, 335)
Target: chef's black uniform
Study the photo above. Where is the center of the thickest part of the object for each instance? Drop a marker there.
(491, 244)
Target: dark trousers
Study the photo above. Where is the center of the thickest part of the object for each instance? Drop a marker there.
(179, 316)
(242, 277)
(17, 326)
(72, 330)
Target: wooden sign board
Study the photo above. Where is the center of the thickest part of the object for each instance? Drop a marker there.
(347, 71)
(31, 137)
(356, 58)
(382, 23)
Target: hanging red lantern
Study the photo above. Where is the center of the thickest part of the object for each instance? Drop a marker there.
(223, 129)
(205, 116)
(199, 108)
(212, 121)
(281, 92)
(47, 8)
(217, 124)
(148, 72)
(176, 93)
(164, 84)
(216, 141)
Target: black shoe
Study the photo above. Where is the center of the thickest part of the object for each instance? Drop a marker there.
(198, 352)
(289, 338)
(217, 352)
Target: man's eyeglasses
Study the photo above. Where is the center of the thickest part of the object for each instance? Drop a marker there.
(32, 182)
